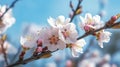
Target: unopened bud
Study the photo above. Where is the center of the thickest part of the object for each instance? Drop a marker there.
(39, 49)
(113, 18)
(79, 10)
(39, 42)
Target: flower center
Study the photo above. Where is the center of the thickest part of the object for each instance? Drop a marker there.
(29, 38)
(65, 33)
(53, 40)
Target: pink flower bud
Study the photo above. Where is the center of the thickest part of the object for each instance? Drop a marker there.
(39, 42)
(69, 63)
(87, 28)
(114, 18)
(39, 49)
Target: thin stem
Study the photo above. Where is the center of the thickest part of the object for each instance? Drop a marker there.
(32, 58)
(11, 6)
(74, 13)
(104, 27)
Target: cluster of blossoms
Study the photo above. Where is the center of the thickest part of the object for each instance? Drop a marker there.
(5, 22)
(90, 23)
(62, 34)
(59, 35)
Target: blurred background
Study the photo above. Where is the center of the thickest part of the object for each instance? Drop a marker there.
(38, 11)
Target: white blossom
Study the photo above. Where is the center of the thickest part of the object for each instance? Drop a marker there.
(77, 47)
(90, 22)
(30, 36)
(68, 33)
(7, 20)
(51, 39)
(103, 36)
(60, 21)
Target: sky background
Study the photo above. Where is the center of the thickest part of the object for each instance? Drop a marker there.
(38, 11)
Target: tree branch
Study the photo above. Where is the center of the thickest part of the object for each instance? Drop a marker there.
(32, 58)
(104, 27)
(11, 6)
(74, 11)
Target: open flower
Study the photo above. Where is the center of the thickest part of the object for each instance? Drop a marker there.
(60, 21)
(67, 30)
(103, 36)
(77, 47)
(30, 36)
(68, 33)
(90, 23)
(51, 39)
(7, 20)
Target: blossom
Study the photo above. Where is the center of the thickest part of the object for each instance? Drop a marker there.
(77, 47)
(90, 23)
(51, 39)
(68, 33)
(9, 49)
(67, 30)
(103, 36)
(60, 21)
(30, 36)
(7, 20)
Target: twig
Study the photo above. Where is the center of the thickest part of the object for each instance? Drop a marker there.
(31, 59)
(74, 11)
(11, 6)
(104, 27)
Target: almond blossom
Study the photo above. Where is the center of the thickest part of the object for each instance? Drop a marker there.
(90, 23)
(68, 33)
(103, 36)
(30, 36)
(67, 30)
(60, 21)
(77, 47)
(7, 20)
(52, 40)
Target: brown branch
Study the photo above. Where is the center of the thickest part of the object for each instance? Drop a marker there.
(32, 58)
(11, 6)
(104, 27)
(74, 11)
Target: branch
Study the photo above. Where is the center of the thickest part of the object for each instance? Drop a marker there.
(104, 27)
(32, 58)
(11, 6)
(76, 10)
